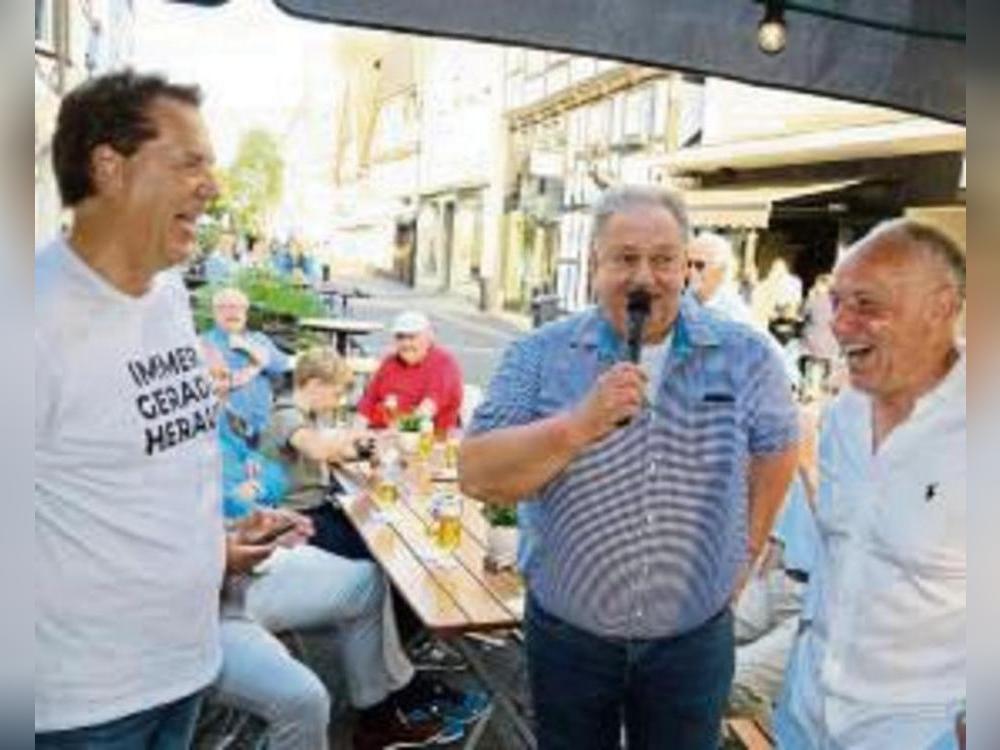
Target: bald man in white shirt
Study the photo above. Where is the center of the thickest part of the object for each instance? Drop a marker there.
(880, 660)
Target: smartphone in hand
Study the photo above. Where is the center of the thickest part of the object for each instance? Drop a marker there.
(273, 535)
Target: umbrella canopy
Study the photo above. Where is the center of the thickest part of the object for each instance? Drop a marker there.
(907, 54)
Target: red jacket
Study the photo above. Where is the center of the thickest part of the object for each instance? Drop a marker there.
(437, 377)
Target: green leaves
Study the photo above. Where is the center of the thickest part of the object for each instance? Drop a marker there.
(500, 515)
(251, 187)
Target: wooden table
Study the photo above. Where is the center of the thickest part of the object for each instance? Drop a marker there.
(341, 329)
(452, 599)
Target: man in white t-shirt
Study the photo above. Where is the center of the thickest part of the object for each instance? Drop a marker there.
(129, 543)
(880, 660)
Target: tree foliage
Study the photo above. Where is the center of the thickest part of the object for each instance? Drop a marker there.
(251, 187)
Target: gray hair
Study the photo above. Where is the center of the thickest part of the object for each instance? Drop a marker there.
(625, 198)
(720, 248)
(935, 244)
(228, 293)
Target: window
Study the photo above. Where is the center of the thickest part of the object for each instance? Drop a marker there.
(639, 112)
(692, 113)
(44, 24)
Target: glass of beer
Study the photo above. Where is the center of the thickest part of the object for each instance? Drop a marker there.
(448, 522)
(451, 452)
(386, 492)
(425, 447)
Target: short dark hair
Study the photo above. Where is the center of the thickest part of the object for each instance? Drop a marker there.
(110, 110)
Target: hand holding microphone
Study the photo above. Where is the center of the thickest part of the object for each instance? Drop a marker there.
(619, 393)
(614, 400)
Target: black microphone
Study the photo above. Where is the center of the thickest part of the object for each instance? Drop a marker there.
(638, 306)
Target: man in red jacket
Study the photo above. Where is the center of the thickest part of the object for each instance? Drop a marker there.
(419, 375)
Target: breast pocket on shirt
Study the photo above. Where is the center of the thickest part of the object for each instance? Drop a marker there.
(716, 430)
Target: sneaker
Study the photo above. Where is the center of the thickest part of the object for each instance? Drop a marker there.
(434, 656)
(399, 730)
(436, 698)
(451, 731)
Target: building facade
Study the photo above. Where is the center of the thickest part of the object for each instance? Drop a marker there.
(483, 163)
(74, 40)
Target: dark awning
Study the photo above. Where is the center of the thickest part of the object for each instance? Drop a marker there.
(907, 54)
(751, 206)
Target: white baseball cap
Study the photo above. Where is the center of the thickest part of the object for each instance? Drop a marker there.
(411, 322)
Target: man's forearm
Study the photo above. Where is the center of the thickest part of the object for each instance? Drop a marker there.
(506, 465)
(768, 480)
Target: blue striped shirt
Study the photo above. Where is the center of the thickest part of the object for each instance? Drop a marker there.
(644, 533)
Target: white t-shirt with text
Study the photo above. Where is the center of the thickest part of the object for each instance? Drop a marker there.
(129, 549)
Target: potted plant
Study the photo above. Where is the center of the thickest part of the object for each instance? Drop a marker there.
(409, 432)
(501, 537)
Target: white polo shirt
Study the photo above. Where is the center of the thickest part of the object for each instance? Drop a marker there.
(881, 663)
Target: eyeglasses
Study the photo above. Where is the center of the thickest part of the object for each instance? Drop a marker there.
(630, 262)
(698, 265)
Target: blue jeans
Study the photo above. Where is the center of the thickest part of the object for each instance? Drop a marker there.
(167, 727)
(667, 693)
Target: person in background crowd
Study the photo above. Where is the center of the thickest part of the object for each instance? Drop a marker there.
(817, 334)
(420, 376)
(880, 660)
(282, 262)
(778, 296)
(652, 484)
(306, 267)
(247, 359)
(256, 254)
(129, 543)
(711, 273)
(767, 612)
(220, 263)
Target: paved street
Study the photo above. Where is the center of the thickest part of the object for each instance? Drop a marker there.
(477, 340)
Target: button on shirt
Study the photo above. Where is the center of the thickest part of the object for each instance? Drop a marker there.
(644, 533)
(882, 659)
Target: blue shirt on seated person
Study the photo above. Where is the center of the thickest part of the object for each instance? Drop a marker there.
(248, 357)
(249, 479)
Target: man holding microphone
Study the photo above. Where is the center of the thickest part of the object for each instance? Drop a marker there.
(650, 486)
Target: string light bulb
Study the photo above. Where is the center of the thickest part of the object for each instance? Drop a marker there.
(772, 34)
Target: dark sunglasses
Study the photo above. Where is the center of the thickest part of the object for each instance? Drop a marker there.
(698, 265)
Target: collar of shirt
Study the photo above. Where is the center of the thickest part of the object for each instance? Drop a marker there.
(692, 328)
(949, 392)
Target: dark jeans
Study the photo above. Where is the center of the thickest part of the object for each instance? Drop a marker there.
(669, 693)
(167, 727)
(335, 534)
